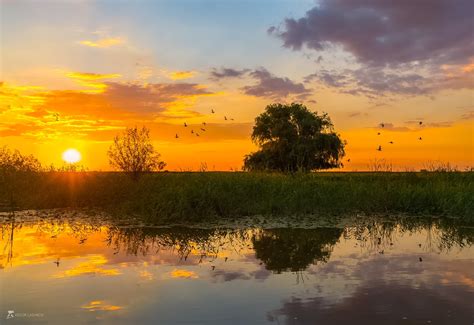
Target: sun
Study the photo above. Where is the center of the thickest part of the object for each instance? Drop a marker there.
(71, 156)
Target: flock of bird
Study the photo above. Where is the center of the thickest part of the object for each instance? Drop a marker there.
(203, 127)
(382, 125)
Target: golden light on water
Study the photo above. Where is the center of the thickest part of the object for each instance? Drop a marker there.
(71, 156)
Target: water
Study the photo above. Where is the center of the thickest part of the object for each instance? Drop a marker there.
(81, 270)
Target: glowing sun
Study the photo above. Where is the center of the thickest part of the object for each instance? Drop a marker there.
(71, 156)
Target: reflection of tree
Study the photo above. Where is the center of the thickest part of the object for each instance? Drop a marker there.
(8, 234)
(453, 233)
(146, 240)
(294, 249)
(441, 234)
(279, 249)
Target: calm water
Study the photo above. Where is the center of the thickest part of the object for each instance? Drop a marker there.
(69, 271)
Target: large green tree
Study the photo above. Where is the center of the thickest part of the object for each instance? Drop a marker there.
(292, 138)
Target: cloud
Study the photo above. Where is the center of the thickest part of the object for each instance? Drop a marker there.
(222, 73)
(392, 127)
(179, 75)
(181, 273)
(357, 114)
(371, 299)
(413, 126)
(373, 82)
(122, 100)
(409, 48)
(97, 305)
(91, 76)
(92, 80)
(271, 86)
(268, 85)
(94, 266)
(226, 276)
(103, 42)
(35, 113)
(416, 123)
(331, 79)
(380, 33)
(415, 283)
(468, 116)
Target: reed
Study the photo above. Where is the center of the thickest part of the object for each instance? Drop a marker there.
(181, 196)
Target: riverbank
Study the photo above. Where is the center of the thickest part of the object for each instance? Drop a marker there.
(181, 197)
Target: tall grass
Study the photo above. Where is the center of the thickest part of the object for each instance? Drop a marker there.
(199, 196)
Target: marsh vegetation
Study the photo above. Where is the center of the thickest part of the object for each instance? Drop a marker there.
(179, 197)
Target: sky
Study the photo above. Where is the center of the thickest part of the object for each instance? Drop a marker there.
(75, 73)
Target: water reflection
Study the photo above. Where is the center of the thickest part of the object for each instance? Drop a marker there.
(294, 249)
(373, 271)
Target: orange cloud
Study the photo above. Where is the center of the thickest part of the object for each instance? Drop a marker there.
(96, 305)
(91, 76)
(103, 42)
(94, 266)
(179, 273)
(179, 75)
(92, 80)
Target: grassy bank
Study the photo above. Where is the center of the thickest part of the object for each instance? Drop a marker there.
(197, 196)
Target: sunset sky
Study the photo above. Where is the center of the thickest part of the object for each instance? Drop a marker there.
(75, 73)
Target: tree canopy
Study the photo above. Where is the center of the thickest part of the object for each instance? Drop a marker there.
(292, 138)
(133, 152)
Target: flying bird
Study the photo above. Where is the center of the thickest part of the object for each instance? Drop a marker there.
(349, 160)
(212, 111)
(379, 148)
(232, 119)
(225, 118)
(185, 125)
(420, 138)
(192, 131)
(57, 116)
(197, 134)
(420, 123)
(391, 142)
(382, 125)
(56, 262)
(378, 133)
(203, 129)
(176, 136)
(204, 123)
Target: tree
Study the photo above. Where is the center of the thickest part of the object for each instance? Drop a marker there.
(292, 138)
(132, 152)
(17, 171)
